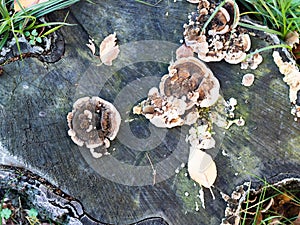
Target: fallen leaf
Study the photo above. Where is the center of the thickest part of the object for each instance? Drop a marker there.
(296, 51)
(26, 4)
(292, 38)
(109, 50)
(91, 46)
(202, 168)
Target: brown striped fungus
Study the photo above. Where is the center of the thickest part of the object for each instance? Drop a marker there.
(93, 122)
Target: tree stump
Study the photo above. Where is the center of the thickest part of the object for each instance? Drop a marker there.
(36, 97)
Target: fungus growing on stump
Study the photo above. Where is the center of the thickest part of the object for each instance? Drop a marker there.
(248, 79)
(189, 84)
(220, 38)
(93, 122)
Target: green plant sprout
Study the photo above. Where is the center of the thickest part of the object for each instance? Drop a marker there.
(34, 37)
(32, 217)
(282, 16)
(4, 212)
(14, 24)
(149, 4)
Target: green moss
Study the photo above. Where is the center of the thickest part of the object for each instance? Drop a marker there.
(292, 149)
(188, 191)
(245, 161)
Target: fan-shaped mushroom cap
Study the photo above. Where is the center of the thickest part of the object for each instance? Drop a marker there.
(220, 22)
(93, 122)
(192, 81)
(184, 51)
(234, 12)
(225, 19)
(248, 79)
(252, 62)
(237, 52)
(189, 83)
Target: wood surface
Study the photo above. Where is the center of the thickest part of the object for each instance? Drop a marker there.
(35, 99)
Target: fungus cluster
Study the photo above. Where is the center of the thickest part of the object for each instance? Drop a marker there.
(93, 122)
(188, 85)
(252, 62)
(213, 34)
(291, 75)
(183, 95)
(292, 78)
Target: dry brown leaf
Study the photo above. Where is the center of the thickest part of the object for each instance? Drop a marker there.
(91, 46)
(202, 168)
(259, 218)
(109, 50)
(292, 38)
(26, 4)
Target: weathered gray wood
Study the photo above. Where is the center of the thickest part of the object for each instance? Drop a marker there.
(36, 98)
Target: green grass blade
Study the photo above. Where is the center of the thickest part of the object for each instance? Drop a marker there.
(247, 204)
(269, 12)
(267, 30)
(53, 24)
(149, 4)
(269, 48)
(4, 40)
(52, 30)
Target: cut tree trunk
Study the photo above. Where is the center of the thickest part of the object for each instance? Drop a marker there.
(36, 98)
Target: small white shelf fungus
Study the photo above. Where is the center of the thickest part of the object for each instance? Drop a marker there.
(189, 84)
(291, 75)
(221, 38)
(93, 122)
(252, 62)
(248, 79)
(184, 51)
(200, 138)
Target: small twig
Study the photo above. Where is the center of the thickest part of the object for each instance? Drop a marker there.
(149, 4)
(153, 169)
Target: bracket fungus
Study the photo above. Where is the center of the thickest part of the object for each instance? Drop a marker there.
(291, 75)
(217, 38)
(252, 62)
(248, 79)
(189, 83)
(93, 122)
